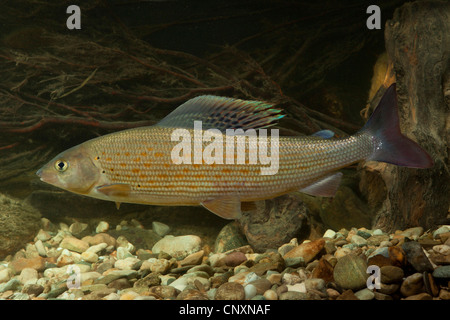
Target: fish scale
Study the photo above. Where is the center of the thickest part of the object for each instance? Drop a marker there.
(301, 160)
(136, 165)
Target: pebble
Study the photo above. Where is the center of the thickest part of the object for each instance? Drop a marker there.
(444, 294)
(178, 247)
(376, 240)
(161, 229)
(90, 257)
(234, 259)
(193, 258)
(40, 248)
(442, 249)
(108, 277)
(365, 294)
(128, 263)
(74, 244)
(442, 229)
(5, 275)
(420, 296)
(416, 257)
(293, 295)
(156, 265)
(270, 295)
(102, 226)
(391, 274)
(306, 250)
(250, 291)
(442, 272)
(100, 238)
(413, 233)
(179, 267)
(230, 291)
(78, 228)
(28, 276)
(329, 234)
(350, 272)
(412, 285)
(36, 263)
(358, 240)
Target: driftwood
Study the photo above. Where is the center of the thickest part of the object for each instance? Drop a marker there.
(418, 44)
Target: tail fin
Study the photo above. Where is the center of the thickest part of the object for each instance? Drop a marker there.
(393, 146)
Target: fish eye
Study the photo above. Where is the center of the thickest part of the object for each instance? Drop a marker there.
(61, 165)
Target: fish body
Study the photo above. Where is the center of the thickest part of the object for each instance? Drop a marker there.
(137, 165)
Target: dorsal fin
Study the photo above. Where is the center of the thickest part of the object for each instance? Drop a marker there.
(222, 113)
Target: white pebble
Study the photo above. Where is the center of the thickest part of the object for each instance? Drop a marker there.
(97, 248)
(329, 234)
(123, 253)
(5, 275)
(102, 226)
(442, 249)
(377, 232)
(250, 291)
(126, 264)
(300, 287)
(28, 276)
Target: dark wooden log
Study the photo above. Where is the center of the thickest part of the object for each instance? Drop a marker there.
(418, 44)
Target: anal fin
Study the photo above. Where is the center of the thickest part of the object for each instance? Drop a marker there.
(325, 187)
(226, 207)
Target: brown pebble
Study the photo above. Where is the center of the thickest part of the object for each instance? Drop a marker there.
(120, 284)
(412, 285)
(100, 238)
(391, 274)
(379, 260)
(36, 263)
(388, 288)
(444, 294)
(164, 292)
(281, 289)
(306, 250)
(234, 259)
(332, 294)
(324, 270)
(261, 285)
(230, 291)
(382, 296)
(192, 294)
(420, 296)
(347, 295)
(430, 285)
(98, 294)
(33, 289)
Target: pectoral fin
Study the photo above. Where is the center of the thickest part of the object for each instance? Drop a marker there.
(225, 207)
(326, 187)
(115, 190)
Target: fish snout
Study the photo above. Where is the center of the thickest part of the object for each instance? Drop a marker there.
(39, 173)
